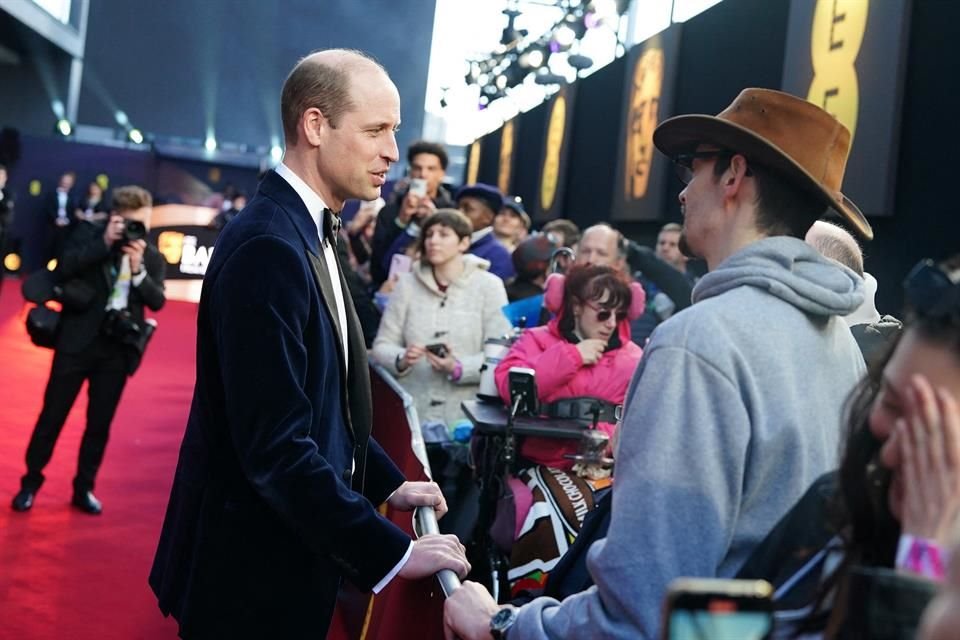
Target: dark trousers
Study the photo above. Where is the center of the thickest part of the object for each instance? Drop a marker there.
(103, 365)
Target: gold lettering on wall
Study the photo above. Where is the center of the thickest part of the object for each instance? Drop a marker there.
(473, 167)
(506, 157)
(551, 156)
(641, 121)
(835, 39)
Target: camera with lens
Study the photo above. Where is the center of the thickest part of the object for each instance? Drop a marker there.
(134, 230)
(120, 325)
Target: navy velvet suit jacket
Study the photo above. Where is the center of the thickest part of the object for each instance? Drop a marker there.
(265, 517)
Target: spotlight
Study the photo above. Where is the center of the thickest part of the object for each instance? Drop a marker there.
(210, 144)
(121, 118)
(549, 78)
(563, 37)
(136, 137)
(533, 58)
(64, 127)
(579, 62)
(510, 33)
(276, 153)
(58, 108)
(52, 264)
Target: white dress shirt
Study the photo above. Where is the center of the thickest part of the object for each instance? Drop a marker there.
(315, 206)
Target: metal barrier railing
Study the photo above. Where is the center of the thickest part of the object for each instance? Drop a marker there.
(425, 522)
(425, 518)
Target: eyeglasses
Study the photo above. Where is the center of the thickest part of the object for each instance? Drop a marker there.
(604, 314)
(683, 162)
(931, 291)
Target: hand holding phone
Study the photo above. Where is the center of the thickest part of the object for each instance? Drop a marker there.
(712, 608)
(418, 187)
(438, 349)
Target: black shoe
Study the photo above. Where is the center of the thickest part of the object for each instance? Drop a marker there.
(87, 502)
(23, 500)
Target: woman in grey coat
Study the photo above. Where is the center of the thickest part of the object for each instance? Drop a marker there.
(439, 315)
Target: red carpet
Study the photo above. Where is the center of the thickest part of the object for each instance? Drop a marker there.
(64, 574)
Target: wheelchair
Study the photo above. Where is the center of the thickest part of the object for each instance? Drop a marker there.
(494, 449)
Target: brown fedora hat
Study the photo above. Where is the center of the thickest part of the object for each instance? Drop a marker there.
(807, 145)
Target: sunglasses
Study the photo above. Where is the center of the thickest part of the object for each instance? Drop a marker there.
(930, 290)
(604, 314)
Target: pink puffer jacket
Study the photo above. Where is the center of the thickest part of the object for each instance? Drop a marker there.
(560, 374)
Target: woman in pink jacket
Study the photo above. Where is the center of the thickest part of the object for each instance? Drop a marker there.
(585, 351)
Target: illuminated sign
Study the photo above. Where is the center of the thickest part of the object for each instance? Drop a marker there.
(641, 121)
(506, 156)
(473, 166)
(836, 36)
(642, 173)
(550, 176)
(848, 57)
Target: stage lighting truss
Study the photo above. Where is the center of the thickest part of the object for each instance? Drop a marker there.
(519, 56)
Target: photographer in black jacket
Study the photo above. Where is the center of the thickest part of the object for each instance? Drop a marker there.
(108, 274)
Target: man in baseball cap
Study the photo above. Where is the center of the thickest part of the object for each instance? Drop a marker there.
(480, 203)
(735, 408)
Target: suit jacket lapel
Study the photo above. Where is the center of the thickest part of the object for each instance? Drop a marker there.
(359, 396)
(322, 274)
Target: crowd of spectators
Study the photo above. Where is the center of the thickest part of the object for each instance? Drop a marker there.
(760, 418)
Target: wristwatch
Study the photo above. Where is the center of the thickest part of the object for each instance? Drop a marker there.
(502, 621)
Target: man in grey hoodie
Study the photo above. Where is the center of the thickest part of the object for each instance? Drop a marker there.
(736, 406)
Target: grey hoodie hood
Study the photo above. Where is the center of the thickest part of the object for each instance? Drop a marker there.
(791, 270)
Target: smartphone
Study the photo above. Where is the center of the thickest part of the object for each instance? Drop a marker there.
(697, 608)
(437, 349)
(418, 187)
(523, 387)
(399, 263)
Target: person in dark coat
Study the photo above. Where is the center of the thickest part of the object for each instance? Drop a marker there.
(112, 276)
(274, 502)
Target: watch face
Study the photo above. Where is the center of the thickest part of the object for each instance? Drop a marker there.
(501, 621)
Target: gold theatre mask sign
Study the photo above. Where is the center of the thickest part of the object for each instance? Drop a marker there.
(645, 93)
(506, 157)
(551, 160)
(473, 165)
(170, 244)
(835, 40)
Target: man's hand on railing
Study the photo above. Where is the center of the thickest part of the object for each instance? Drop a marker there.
(467, 613)
(425, 522)
(433, 553)
(411, 495)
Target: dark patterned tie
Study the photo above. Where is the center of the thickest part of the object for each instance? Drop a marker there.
(331, 226)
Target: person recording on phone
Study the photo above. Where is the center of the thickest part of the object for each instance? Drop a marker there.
(439, 315)
(111, 274)
(413, 199)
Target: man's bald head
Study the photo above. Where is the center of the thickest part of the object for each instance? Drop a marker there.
(322, 80)
(836, 243)
(602, 245)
